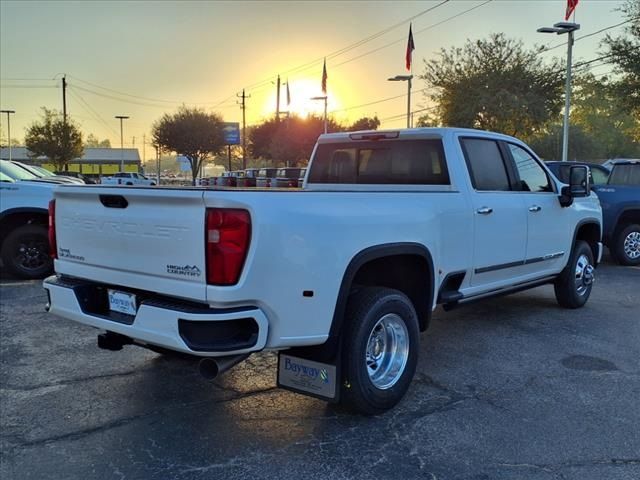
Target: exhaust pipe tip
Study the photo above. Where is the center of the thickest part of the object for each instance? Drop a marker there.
(208, 368)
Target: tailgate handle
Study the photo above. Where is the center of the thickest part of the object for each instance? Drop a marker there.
(114, 201)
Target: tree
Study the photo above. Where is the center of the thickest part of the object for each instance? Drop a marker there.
(495, 84)
(289, 141)
(190, 132)
(601, 109)
(364, 123)
(53, 137)
(582, 146)
(93, 142)
(624, 52)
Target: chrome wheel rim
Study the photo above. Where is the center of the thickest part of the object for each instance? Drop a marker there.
(632, 245)
(387, 351)
(583, 274)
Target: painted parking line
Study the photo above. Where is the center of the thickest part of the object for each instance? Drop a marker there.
(17, 284)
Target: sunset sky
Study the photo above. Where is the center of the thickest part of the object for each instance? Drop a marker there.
(145, 58)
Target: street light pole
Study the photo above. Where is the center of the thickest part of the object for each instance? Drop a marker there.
(8, 112)
(405, 78)
(324, 98)
(121, 118)
(560, 29)
(567, 100)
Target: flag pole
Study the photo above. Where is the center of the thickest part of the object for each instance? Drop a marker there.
(325, 114)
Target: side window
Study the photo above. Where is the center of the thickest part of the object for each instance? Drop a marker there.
(532, 176)
(599, 177)
(486, 165)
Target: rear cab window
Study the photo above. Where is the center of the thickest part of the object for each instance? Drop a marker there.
(393, 162)
(625, 174)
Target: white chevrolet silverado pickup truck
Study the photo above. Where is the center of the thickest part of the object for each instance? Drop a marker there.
(124, 178)
(339, 276)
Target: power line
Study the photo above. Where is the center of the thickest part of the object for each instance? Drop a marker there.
(90, 110)
(415, 33)
(28, 79)
(355, 107)
(588, 35)
(28, 86)
(350, 47)
(111, 97)
(140, 99)
(404, 115)
(149, 99)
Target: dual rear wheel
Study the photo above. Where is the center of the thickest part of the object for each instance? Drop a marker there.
(380, 340)
(380, 349)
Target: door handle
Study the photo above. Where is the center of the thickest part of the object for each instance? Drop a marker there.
(484, 210)
(535, 208)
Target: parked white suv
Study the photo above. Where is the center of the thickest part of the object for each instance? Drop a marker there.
(24, 202)
(339, 277)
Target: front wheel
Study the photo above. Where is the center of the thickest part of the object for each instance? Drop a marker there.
(573, 286)
(627, 245)
(380, 349)
(25, 252)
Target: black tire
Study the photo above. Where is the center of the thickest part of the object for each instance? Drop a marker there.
(573, 286)
(128, 183)
(626, 245)
(25, 252)
(367, 308)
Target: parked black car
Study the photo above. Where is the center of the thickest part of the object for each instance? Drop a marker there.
(599, 174)
(265, 177)
(249, 178)
(287, 178)
(227, 179)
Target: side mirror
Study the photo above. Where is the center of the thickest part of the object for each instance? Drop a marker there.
(579, 181)
(579, 185)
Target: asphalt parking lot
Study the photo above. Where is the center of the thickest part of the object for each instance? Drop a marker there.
(512, 388)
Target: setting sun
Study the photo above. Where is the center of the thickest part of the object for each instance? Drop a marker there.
(300, 93)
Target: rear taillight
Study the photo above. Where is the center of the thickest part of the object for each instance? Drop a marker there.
(228, 232)
(291, 183)
(53, 248)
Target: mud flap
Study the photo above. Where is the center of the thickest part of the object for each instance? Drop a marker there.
(304, 374)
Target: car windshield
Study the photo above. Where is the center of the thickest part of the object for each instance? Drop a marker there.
(44, 171)
(15, 172)
(5, 178)
(30, 169)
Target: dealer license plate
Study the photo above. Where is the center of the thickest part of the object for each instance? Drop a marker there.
(122, 302)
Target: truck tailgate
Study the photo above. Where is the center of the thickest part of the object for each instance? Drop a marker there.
(143, 238)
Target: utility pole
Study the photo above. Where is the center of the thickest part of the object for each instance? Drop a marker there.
(64, 99)
(278, 99)
(144, 143)
(243, 107)
(8, 112)
(121, 118)
(64, 117)
(157, 164)
(133, 141)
